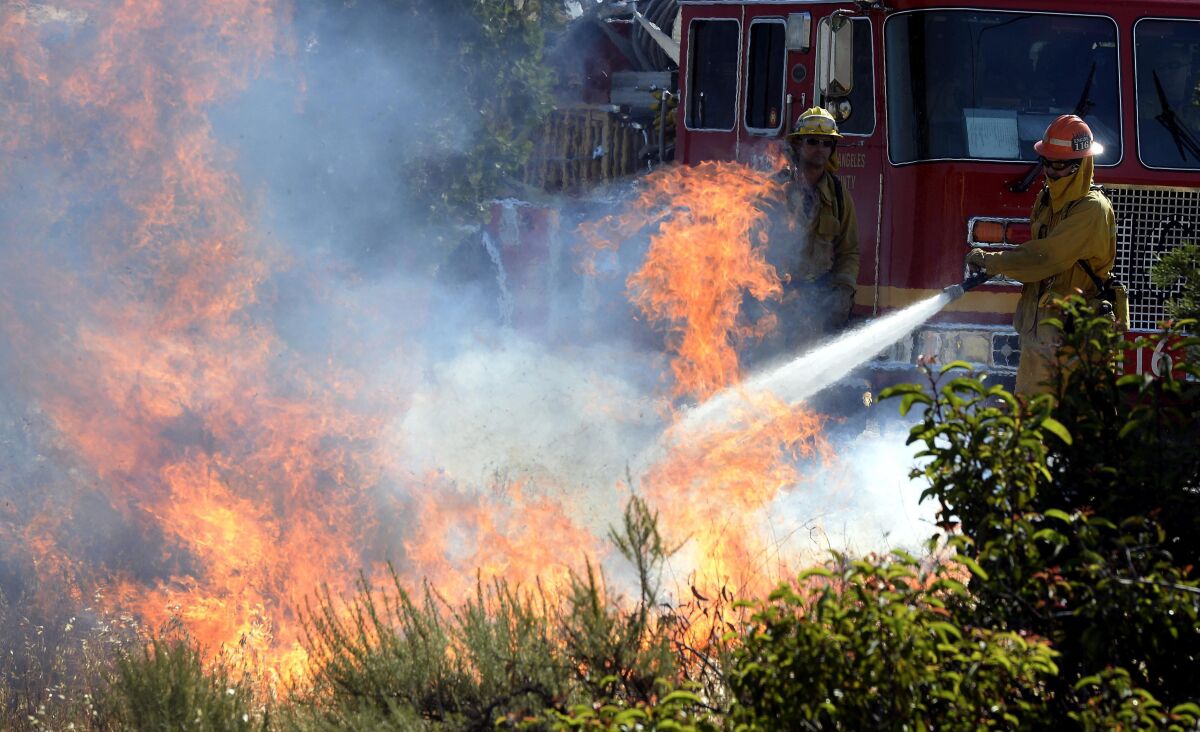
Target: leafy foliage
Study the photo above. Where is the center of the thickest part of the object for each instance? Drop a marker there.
(871, 645)
(675, 711)
(1085, 535)
(1180, 263)
(486, 57)
(619, 653)
(1111, 701)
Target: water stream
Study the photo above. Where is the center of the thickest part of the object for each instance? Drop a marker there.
(800, 378)
(504, 300)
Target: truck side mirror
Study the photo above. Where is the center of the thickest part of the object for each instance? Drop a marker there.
(836, 42)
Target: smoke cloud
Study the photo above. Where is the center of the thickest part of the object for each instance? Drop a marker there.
(230, 342)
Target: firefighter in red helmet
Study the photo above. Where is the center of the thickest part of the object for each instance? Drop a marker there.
(1073, 249)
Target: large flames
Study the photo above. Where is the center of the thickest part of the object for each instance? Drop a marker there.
(155, 370)
(704, 256)
(217, 476)
(707, 227)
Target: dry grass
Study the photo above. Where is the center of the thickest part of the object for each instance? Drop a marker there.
(55, 660)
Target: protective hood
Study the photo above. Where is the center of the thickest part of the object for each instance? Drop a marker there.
(831, 165)
(1072, 188)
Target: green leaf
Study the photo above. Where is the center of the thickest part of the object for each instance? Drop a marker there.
(972, 565)
(954, 586)
(815, 572)
(1128, 428)
(891, 391)
(963, 365)
(946, 629)
(627, 716)
(680, 695)
(966, 383)
(1052, 424)
(909, 399)
(1049, 535)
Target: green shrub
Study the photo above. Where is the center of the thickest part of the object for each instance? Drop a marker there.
(1081, 512)
(621, 653)
(487, 57)
(677, 710)
(506, 658)
(1110, 701)
(167, 688)
(386, 658)
(1180, 266)
(870, 645)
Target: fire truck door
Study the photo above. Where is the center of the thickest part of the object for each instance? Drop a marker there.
(847, 84)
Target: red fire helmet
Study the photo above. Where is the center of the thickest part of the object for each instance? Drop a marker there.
(1068, 138)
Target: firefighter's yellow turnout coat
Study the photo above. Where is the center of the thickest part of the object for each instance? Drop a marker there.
(1070, 222)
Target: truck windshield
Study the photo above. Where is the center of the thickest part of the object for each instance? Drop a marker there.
(983, 85)
(1166, 56)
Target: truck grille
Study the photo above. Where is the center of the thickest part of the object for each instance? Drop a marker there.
(1151, 220)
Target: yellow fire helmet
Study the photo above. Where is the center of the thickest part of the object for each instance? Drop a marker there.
(815, 121)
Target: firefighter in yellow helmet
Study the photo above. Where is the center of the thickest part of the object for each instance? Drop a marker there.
(1074, 231)
(815, 247)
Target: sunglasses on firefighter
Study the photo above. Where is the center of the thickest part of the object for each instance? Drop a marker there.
(822, 141)
(1058, 165)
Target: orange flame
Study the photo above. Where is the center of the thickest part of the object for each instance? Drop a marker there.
(252, 475)
(511, 534)
(242, 475)
(719, 486)
(704, 255)
(171, 396)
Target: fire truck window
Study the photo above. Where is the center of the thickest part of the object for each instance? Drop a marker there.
(862, 95)
(968, 84)
(764, 83)
(862, 92)
(1167, 62)
(712, 75)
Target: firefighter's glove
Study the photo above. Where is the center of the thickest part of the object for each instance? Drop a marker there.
(843, 302)
(975, 261)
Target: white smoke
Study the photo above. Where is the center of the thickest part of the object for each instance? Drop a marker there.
(517, 409)
(320, 142)
(863, 502)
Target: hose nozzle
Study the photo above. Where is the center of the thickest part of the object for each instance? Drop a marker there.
(971, 282)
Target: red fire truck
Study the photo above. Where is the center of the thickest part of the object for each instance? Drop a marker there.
(940, 104)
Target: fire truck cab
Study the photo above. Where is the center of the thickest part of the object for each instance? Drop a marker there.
(940, 104)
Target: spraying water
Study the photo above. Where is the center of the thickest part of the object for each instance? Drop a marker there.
(505, 298)
(802, 377)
